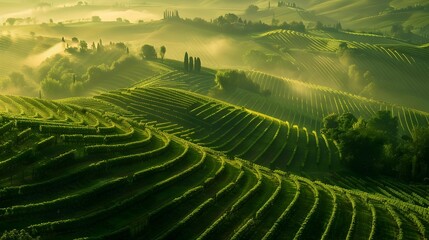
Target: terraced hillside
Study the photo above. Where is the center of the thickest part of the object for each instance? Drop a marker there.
(76, 172)
(386, 62)
(234, 131)
(298, 103)
(307, 104)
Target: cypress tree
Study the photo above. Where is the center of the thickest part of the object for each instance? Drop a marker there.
(199, 64)
(191, 64)
(196, 64)
(186, 62)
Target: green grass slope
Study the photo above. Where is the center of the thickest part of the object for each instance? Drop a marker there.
(77, 172)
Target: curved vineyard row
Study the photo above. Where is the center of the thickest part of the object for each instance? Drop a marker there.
(233, 131)
(61, 189)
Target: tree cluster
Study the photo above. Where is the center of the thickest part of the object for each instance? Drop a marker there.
(64, 76)
(252, 9)
(332, 28)
(81, 47)
(295, 26)
(286, 4)
(148, 52)
(233, 24)
(95, 19)
(12, 21)
(230, 80)
(191, 64)
(409, 8)
(373, 146)
(171, 14)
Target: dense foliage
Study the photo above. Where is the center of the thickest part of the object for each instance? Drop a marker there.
(17, 235)
(373, 146)
(230, 80)
(148, 52)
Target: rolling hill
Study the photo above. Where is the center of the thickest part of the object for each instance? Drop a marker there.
(96, 153)
(306, 106)
(120, 145)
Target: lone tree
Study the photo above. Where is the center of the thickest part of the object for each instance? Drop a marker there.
(11, 21)
(162, 52)
(186, 62)
(83, 46)
(191, 64)
(148, 52)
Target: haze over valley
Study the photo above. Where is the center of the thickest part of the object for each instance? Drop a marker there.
(214, 119)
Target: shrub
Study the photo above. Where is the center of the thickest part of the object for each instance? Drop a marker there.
(148, 52)
(233, 79)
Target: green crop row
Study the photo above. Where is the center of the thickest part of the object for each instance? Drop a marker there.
(261, 211)
(243, 230)
(165, 209)
(398, 221)
(61, 160)
(6, 127)
(260, 136)
(79, 222)
(317, 147)
(419, 224)
(312, 210)
(243, 199)
(25, 123)
(270, 234)
(334, 211)
(22, 136)
(354, 213)
(22, 157)
(68, 158)
(170, 234)
(116, 148)
(83, 198)
(5, 147)
(374, 221)
(53, 129)
(66, 202)
(47, 142)
(149, 171)
(208, 181)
